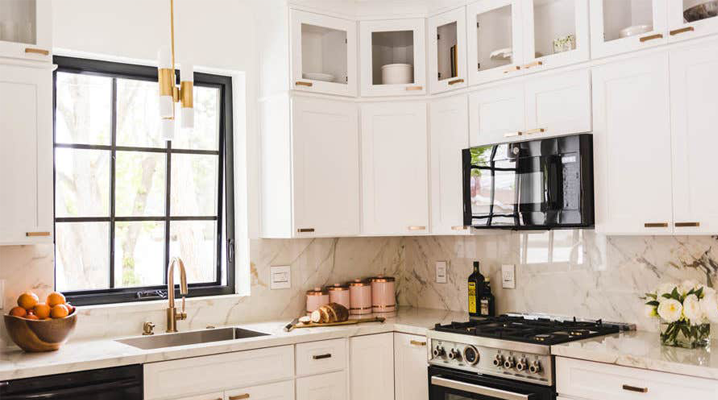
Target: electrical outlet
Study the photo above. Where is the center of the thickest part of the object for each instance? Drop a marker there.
(508, 276)
(281, 277)
(441, 271)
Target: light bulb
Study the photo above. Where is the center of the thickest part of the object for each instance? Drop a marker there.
(168, 129)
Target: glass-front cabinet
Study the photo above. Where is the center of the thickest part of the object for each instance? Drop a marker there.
(323, 54)
(447, 55)
(620, 26)
(691, 18)
(393, 57)
(26, 29)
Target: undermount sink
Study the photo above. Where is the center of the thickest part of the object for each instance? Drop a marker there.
(187, 338)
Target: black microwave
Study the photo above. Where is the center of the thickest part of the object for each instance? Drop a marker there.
(539, 184)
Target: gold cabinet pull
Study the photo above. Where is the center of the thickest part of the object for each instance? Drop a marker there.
(512, 69)
(656, 225)
(307, 84)
(239, 397)
(513, 134)
(652, 37)
(635, 389)
(455, 81)
(322, 356)
(37, 234)
(417, 228)
(533, 64)
(30, 50)
(417, 343)
(687, 224)
(305, 230)
(682, 30)
(459, 228)
(414, 88)
(537, 130)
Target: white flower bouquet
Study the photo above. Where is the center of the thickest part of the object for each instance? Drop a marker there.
(686, 311)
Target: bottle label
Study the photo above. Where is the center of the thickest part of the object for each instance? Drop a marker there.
(485, 308)
(472, 298)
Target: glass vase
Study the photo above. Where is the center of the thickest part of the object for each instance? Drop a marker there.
(683, 334)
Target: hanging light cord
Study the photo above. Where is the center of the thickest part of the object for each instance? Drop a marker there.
(172, 35)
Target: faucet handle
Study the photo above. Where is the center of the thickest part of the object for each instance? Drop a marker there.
(148, 328)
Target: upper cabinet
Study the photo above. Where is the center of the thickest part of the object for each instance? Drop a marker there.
(691, 18)
(393, 57)
(26, 29)
(447, 51)
(620, 26)
(323, 54)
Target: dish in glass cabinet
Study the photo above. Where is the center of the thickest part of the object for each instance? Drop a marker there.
(318, 76)
(698, 10)
(634, 30)
(502, 54)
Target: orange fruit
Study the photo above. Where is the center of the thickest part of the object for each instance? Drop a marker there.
(31, 316)
(59, 311)
(55, 298)
(28, 300)
(70, 308)
(18, 312)
(42, 310)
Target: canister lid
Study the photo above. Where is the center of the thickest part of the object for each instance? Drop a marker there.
(315, 292)
(337, 287)
(382, 278)
(358, 282)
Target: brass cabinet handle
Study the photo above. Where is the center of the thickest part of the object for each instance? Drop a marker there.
(30, 50)
(417, 343)
(322, 356)
(239, 397)
(656, 225)
(37, 234)
(687, 224)
(512, 69)
(305, 230)
(533, 64)
(635, 389)
(413, 88)
(682, 30)
(652, 37)
(307, 84)
(417, 228)
(513, 134)
(459, 228)
(537, 130)
(455, 81)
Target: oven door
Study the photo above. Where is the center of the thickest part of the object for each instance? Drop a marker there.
(447, 384)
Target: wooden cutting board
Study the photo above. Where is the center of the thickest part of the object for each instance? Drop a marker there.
(349, 322)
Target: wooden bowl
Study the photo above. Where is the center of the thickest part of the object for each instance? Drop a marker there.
(36, 336)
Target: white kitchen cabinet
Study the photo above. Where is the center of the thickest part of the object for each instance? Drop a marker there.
(26, 161)
(371, 366)
(447, 51)
(26, 30)
(323, 387)
(680, 28)
(321, 357)
(410, 370)
(693, 109)
(632, 146)
(449, 134)
(324, 54)
(275, 391)
(497, 114)
(610, 18)
(395, 169)
(386, 44)
(205, 396)
(302, 197)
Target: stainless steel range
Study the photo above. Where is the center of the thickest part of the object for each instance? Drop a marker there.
(506, 357)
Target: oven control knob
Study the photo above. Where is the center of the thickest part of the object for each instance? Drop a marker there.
(438, 351)
(509, 362)
(499, 361)
(471, 355)
(522, 365)
(535, 367)
(454, 355)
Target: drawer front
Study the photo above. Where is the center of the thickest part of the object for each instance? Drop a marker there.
(323, 387)
(174, 379)
(321, 357)
(596, 381)
(206, 396)
(275, 391)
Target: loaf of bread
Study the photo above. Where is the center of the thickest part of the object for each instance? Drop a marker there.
(330, 313)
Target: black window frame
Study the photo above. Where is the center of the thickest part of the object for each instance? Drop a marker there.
(225, 210)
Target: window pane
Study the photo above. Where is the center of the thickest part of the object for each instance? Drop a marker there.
(140, 184)
(194, 185)
(82, 183)
(205, 135)
(84, 109)
(82, 258)
(138, 118)
(139, 253)
(196, 243)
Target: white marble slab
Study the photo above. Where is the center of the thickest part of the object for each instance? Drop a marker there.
(643, 350)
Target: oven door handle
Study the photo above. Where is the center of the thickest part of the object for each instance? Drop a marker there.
(476, 389)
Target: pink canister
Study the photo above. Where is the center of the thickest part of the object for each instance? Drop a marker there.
(383, 299)
(339, 294)
(315, 299)
(359, 297)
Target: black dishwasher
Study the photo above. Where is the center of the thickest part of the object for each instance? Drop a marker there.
(121, 383)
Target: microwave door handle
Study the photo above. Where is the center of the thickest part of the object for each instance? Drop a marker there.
(480, 390)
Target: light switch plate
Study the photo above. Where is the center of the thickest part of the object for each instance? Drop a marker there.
(441, 271)
(281, 277)
(508, 276)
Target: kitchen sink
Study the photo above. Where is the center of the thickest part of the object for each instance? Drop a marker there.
(187, 338)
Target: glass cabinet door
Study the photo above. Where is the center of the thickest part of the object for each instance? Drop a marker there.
(323, 54)
(555, 32)
(447, 55)
(495, 41)
(619, 26)
(691, 18)
(25, 29)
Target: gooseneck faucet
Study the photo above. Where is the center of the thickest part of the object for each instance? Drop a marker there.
(172, 314)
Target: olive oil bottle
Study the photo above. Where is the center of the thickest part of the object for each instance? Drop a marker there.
(487, 303)
(476, 289)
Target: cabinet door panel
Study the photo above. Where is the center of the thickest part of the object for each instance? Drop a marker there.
(326, 168)
(372, 367)
(447, 51)
(693, 108)
(610, 17)
(680, 29)
(274, 391)
(323, 387)
(497, 115)
(395, 169)
(206, 396)
(632, 144)
(411, 375)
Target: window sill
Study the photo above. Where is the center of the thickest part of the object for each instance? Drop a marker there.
(157, 305)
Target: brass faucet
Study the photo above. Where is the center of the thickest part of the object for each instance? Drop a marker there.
(172, 315)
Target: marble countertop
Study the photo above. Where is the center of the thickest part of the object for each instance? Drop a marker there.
(104, 353)
(643, 350)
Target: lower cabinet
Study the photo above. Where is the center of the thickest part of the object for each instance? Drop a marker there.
(207, 396)
(322, 387)
(275, 391)
(411, 378)
(371, 365)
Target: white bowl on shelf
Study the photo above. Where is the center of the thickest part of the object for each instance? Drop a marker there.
(318, 76)
(397, 74)
(502, 54)
(634, 30)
